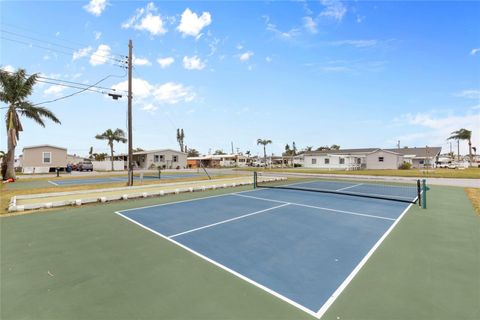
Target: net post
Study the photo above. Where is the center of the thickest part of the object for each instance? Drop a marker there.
(419, 192)
(424, 193)
(159, 172)
(254, 179)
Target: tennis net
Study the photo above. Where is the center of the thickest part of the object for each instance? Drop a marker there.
(409, 191)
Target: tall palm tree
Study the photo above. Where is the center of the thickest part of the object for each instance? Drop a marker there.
(264, 142)
(112, 136)
(15, 89)
(463, 134)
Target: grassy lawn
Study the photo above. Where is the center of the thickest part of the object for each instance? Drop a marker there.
(41, 185)
(89, 263)
(469, 173)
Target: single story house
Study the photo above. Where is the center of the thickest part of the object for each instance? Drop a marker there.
(371, 158)
(219, 160)
(164, 158)
(43, 158)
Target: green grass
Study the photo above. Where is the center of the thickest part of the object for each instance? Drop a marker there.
(469, 173)
(89, 263)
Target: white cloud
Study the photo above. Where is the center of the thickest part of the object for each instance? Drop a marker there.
(165, 62)
(191, 24)
(239, 46)
(150, 107)
(100, 56)
(333, 9)
(141, 61)
(310, 24)
(246, 56)
(8, 68)
(193, 63)
(80, 53)
(54, 90)
(268, 59)
(433, 128)
(167, 93)
(469, 94)
(284, 35)
(356, 43)
(140, 88)
(146, 20)
(96, 7)
(475, 51)
(97, 35)
(173, 93)
(336, 69)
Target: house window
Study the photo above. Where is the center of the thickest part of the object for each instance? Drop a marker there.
(175, 158)
(327, 161)
(380, 159)
(47, 157)
(422, 162)
(156, 158)
(314, 161)
(342, 160)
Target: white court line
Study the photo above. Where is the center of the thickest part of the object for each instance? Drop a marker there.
(54, 183)
(359, 266)
(355, 185)
(228, 220)
(239, 275)
(319, 208)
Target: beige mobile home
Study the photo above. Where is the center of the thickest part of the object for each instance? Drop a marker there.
(164, 158)
(43, 158)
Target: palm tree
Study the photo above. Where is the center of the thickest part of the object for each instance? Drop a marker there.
(463, 134)
(112, 136)
(15, 89)
(264, 142)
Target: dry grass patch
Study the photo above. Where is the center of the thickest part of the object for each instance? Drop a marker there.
(474, 196)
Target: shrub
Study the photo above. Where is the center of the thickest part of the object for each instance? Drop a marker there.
(405, 166)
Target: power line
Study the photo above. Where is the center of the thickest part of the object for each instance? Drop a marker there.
(10, 25)
(55, 50)
(59, 45)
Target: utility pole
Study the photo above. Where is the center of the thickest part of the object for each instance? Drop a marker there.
(458, 150)
(398, 144)
(232, 146)
(130, 142)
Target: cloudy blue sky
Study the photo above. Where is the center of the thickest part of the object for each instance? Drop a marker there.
(353, 73)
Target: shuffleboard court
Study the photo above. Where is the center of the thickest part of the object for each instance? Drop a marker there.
(302, 247)
(102, 180)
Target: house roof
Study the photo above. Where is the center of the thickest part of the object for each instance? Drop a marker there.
(44, 146)
(413, 152)
(156, 151)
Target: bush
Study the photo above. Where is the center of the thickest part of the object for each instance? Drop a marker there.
(405, 166)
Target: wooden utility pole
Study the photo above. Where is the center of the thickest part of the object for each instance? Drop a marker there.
(130, 142)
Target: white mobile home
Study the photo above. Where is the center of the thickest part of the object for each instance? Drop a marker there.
(163, 158)
(43, 158)
(371, 158)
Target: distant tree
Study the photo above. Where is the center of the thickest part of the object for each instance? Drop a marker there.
(264, 143)
(14, 90)
(100, 156)
(308, 148)
(138, 150)
(463, 134)
(248, 153)
(294, 148)
(180, 139)
(474, 150)
(112, 136)
(90, 153)
(335, 147)
(323, 148)
(219, 152)
(193, 153)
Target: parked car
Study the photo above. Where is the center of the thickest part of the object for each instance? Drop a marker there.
(85, 166)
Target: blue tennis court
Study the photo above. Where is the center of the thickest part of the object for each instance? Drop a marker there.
(302, 247)
(101, 180)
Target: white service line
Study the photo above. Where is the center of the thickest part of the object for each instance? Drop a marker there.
(228, 220)
(355, 185)
(319, 208)
(55, 184)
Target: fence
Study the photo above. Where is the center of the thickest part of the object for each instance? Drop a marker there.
(107, 165)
